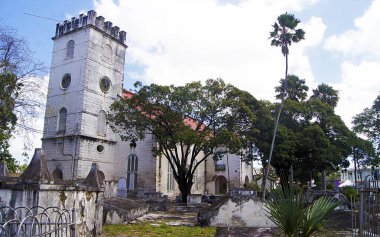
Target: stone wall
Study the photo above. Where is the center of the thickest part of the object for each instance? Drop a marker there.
(246, 212)
(88, 203)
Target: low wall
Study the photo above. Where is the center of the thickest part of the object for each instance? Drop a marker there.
(88, 202)
(237, 211)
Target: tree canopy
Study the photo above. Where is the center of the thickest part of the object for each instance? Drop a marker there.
(327, 94)
(368, 123)
(295, 90)
(188, 123)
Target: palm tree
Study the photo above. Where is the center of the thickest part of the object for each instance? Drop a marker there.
(296, 89)
(326, 94)
(283, 35)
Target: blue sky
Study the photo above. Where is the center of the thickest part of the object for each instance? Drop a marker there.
(178, 41)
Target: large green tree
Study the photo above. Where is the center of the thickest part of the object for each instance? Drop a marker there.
(311, 138)
(368, 123)
(284, 33)
(189, 123)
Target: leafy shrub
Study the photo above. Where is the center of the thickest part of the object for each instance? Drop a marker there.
(253, 186)
(351, 193)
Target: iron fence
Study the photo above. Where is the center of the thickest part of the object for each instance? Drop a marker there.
(37, 222)
(369, 210)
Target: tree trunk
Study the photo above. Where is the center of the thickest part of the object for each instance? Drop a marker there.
(291, 181)
(185, 189)
(264, 183)
(324, 180)
(276, 126)
(355, 171)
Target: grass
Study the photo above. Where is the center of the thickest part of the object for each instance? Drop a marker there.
(153, 229)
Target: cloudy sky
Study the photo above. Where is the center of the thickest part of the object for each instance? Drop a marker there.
(178, 41)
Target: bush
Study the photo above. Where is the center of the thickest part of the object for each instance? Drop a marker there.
(351, 193)
(253, 186)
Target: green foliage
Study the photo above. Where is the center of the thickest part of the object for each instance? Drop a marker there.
(285, 33)
(330, 186)
(253, 186)
(295, 89)
(295, 217)
(326, 94)
(311, 138)
(188, 123)
(351, 193)
(368, 123)
(8, 119)
(362, 152)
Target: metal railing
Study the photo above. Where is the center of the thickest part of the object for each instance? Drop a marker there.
(369, 211)
(37, 222)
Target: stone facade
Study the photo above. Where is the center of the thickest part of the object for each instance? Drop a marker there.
(86, 77)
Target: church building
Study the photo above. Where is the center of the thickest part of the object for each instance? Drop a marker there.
(86, 77)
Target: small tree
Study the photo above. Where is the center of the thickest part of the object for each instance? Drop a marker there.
(294, 216)
(188, 123)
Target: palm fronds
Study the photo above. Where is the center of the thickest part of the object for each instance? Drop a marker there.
(297, 218)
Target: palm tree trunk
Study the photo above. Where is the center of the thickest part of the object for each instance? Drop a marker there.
(276, 126)
(324, 180)
(291, 181)
(355, 170)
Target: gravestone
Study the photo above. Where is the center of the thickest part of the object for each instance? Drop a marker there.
(122, 187)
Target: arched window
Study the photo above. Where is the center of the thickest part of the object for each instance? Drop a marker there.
(70, 49)
(170, 179)
(132, 171)
(107, 53)
(62, 120)
(195, 176)
(102, 128)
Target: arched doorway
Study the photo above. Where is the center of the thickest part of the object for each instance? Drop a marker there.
(220, 185)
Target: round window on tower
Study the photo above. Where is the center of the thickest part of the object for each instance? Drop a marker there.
(105, 84)
(100, 148)
(66, 80)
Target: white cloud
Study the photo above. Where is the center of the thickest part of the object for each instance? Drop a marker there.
(358, 89)
(360, 68)
(364, 39)
(181, 41)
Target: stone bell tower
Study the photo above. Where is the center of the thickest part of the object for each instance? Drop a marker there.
(86, 76)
